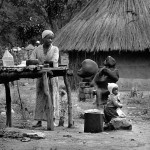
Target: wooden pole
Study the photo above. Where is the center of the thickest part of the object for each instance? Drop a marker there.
(21, 104)
(70, 113)
(8, 105)
(49, 109)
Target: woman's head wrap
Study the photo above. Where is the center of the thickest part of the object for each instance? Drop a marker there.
(111, 86)
(47, 32)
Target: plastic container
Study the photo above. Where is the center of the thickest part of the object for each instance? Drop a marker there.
(8, 59)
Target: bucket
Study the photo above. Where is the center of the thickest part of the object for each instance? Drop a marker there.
(93, 121)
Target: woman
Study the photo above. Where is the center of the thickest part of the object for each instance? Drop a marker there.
(46, 53)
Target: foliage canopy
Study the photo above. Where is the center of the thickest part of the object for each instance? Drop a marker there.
(24, 20)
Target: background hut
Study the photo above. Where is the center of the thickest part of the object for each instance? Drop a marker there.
(120, 28)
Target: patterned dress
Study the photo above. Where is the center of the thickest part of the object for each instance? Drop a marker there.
(41, 98)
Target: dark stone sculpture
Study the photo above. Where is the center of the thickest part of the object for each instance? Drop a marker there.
(107, 74)
(88, 70)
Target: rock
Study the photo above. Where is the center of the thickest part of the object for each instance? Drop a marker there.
(25, 139)
(121, 123)
(36, 135)
(67, 136)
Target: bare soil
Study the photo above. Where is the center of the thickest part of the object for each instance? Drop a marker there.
(63, 138)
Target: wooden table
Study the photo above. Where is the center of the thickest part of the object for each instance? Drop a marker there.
(9, 74)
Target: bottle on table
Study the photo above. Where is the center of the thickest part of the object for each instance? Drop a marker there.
(8, 59)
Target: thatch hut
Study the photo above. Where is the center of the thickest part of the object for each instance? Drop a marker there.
(120, 28)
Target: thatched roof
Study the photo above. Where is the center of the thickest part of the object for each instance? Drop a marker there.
(105, 25)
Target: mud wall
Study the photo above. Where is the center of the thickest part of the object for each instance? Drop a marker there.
(134, 67)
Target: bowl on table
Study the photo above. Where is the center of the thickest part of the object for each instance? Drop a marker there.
(30, 62)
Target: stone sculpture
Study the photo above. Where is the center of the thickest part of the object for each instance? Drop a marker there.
(105, 75)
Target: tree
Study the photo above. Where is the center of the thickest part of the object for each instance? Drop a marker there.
(60, 12)
(14, 16)
(22, 20)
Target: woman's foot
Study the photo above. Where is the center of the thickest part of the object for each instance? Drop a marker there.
(39, 124)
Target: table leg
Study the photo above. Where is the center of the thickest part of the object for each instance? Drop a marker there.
(49, 109)
(70, 113)
(8, 105)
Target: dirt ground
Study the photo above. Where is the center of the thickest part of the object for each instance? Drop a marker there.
(63, 138)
